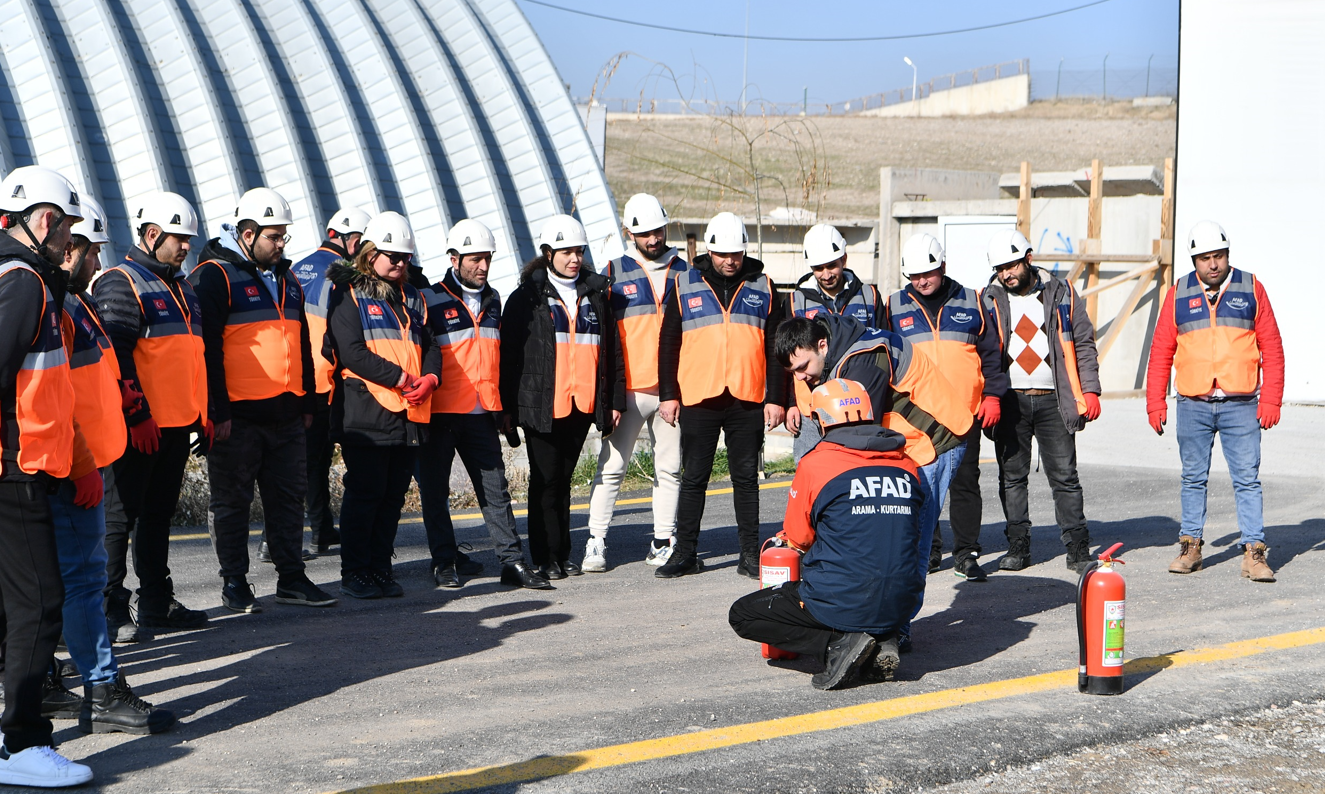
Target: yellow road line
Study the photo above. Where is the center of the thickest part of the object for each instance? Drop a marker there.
(468, 516)
(863, 714)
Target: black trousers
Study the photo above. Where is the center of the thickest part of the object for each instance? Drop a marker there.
(742, 425)
(376, 480)
(273, 457)
(552, 460)
(965, 506)
(142, 492)
(1025, 416)
(774, 615)
(317, 502)
(31, 600)
(474, 438)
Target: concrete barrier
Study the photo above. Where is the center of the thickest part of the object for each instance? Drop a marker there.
(996, 96)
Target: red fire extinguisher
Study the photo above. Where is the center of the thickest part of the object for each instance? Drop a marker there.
(778, 563)
(1101, 602)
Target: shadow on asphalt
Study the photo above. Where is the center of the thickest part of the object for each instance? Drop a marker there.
(244, 668)
(1047, 543)
(1286, 543)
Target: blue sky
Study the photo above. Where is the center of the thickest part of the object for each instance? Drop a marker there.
(1128, 31)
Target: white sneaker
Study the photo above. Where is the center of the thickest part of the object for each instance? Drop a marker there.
(41, 767)
(595, 555)
(659, 557)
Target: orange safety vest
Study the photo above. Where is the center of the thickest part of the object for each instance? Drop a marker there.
(262, 354)
(577, 357)
(639, 313)
(1216, 348)
(94, 372)
(471, 351)
(172, 372)
(312, 274)
(401, 345)
(722, 349)
(951, 343)
(44, 394)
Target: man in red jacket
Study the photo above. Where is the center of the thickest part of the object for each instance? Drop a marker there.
(1217, 331)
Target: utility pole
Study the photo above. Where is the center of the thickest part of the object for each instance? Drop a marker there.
(745, 59)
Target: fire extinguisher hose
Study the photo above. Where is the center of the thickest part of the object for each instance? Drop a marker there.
(1082, 678)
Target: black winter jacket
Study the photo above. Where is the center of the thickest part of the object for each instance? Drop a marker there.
(357, 418)
(529, 351)
(214, 298)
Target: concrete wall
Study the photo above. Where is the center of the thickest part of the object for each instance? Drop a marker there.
(922, 184)
(1058, 225)
(995, 96)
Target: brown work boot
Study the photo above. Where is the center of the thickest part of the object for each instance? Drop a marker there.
(1254, 566)
(1189, 555)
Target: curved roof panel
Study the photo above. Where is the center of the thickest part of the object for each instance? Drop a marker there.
(440, 109)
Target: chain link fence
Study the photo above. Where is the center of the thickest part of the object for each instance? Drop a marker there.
(1104, 82)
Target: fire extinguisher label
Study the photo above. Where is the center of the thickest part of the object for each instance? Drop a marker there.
(770, 576)
(1113, 633)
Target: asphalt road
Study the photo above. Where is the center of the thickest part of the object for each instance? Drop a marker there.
(366, 693)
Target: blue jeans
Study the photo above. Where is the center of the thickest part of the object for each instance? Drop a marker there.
(1240, 437)
(935, 478)
(80, 542)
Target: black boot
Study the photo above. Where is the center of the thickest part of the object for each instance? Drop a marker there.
(323, 541)
(846, 653)
(169, 616)
(1078, 551)
(57, 702)
(119, 623)
(113, 707)
(1019, 553)
(748, 565)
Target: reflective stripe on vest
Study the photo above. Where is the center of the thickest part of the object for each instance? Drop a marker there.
(577, 357)
(383, 335)
(722, 349)
(312, 274)
(261, 340)
(951, 346)
(94, 373)
(861, 306)
(44, 395)
(471, 352)
(919, 445)
(172, 372)
(639, 312)
(1216, 349)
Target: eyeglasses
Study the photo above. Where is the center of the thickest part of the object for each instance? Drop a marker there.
(396, 257)
(277, 238)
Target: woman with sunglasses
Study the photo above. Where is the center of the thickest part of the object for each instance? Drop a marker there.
(561, 371)
(387, 367)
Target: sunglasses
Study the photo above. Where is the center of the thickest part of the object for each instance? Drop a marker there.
(396, 257)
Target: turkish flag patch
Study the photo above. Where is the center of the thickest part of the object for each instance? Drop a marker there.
(629, 289)
(811, 314)
(376, 311)
(251, 291)
(695, 302)
(159, 304)
(1194, 303)
(906, 322)
(451, 314)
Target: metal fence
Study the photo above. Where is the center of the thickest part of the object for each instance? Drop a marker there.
(1104, 82)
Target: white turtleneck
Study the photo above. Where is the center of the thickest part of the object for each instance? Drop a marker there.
(566, 291)
(656, 269)
(473, 298)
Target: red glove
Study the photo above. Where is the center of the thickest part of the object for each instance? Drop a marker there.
(420, 391)
(146, 436)
(1158, 419)
(1268, 414)
(129, 395)
(991, 409)
(88, 490)
(1092, 407)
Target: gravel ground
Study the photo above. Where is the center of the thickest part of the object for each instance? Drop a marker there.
(831, 165)
(1278, 749)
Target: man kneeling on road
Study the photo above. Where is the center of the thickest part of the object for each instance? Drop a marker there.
(853, 510)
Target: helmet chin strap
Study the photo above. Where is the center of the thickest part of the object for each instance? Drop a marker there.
(40, 247)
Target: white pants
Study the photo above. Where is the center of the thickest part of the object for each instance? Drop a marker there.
(619, 448)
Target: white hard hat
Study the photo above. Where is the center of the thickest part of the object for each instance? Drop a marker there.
(1205, 237)
(643, 214)
(725, 234)
(170, 211)
(921, 254)
(390, 232)
(93, 225)
(469, 236)
(562, 231)
(265, 207)
(348, 220)
(30, 185)
(1007, 245)
(824, 244)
